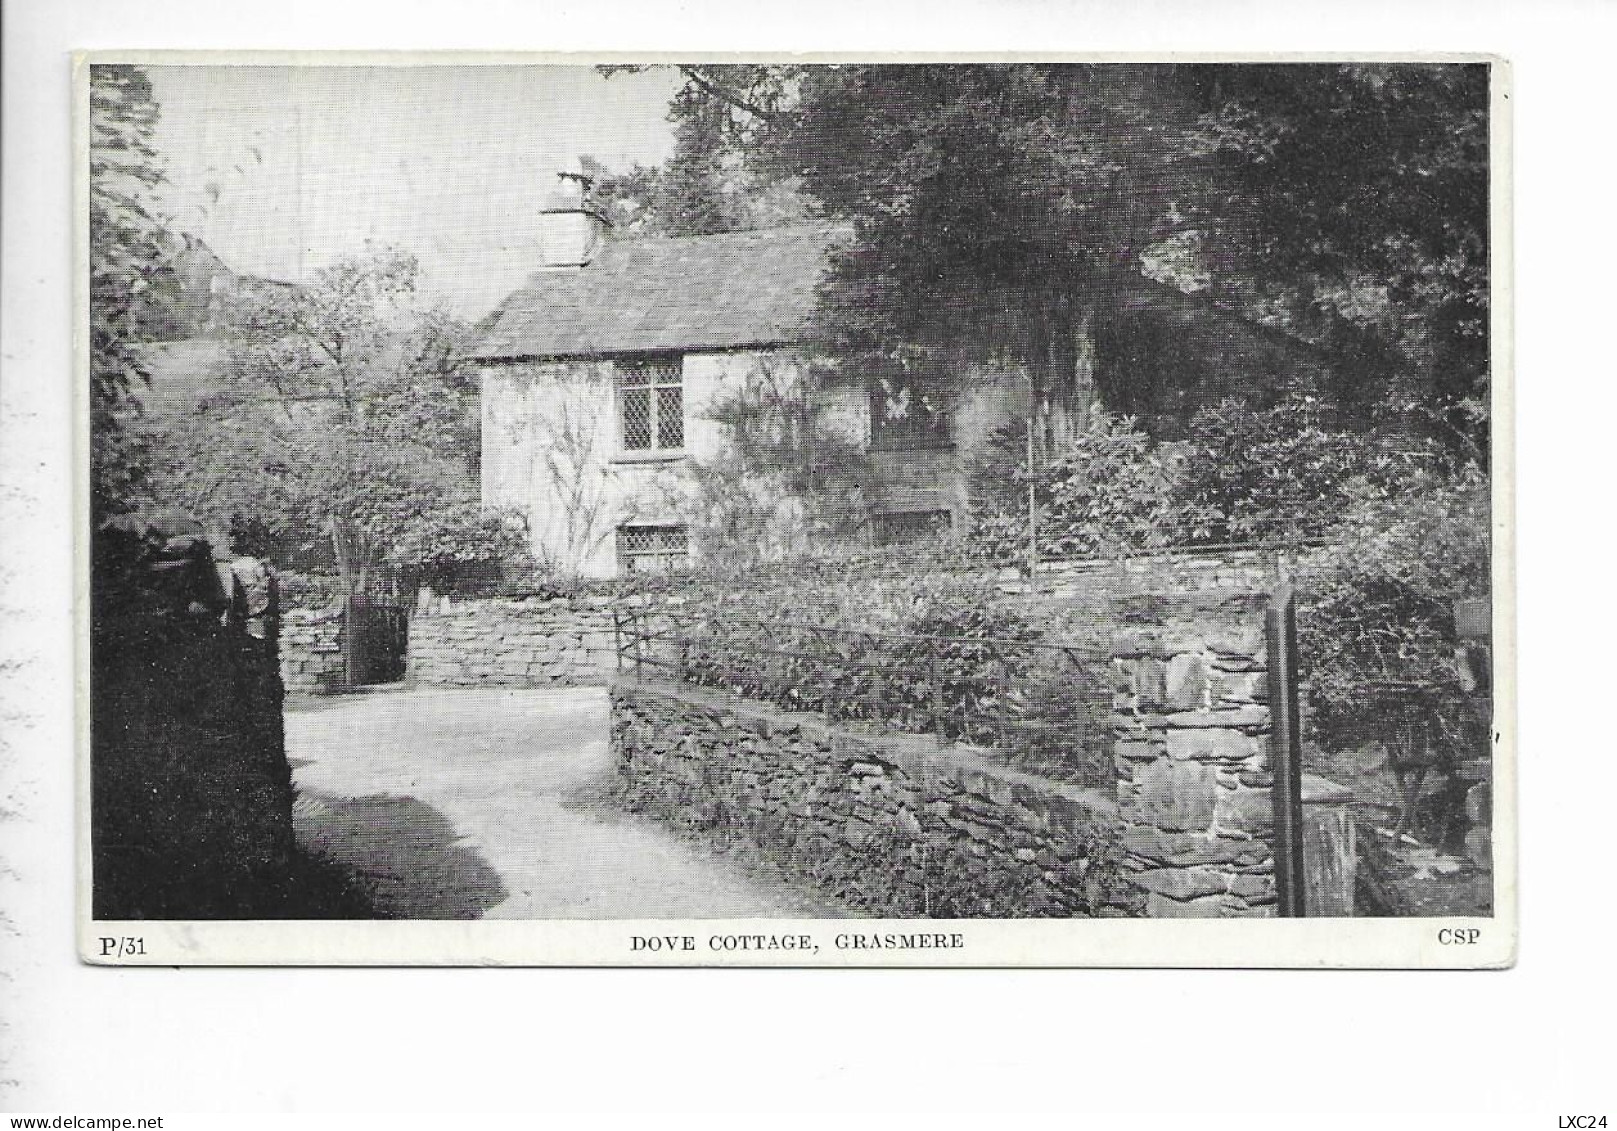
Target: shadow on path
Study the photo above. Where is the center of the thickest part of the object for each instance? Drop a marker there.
(404, 853)
(499, 802)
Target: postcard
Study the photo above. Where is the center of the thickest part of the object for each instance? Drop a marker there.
(795, 511)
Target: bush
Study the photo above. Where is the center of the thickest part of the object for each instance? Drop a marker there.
(1380, 601)
(308, 590)
(463, 549)
(1111, 490)
(1289, 472)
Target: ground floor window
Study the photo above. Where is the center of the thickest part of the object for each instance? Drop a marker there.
(900, 527)
(652, 549)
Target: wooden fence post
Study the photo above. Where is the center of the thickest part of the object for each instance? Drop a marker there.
(1285, 751)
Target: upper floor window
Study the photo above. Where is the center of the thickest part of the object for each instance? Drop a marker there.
(651, 404)
(906, 413)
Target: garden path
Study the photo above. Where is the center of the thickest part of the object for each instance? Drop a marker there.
(460, 803)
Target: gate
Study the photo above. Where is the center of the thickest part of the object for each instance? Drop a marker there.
(376, 636)
(1315, 845)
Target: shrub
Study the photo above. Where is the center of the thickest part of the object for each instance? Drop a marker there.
(1380, 601)
(308, 590)
(1110, 490)
(462, 548)
(959, 675)
(1271, 473)
(1290, 472)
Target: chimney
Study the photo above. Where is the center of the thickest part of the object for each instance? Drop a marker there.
(570, 230)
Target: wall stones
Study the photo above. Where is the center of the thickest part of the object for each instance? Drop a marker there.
(888, 823)
(311, 651)
(1190, 725)
(1190, 733)
(895, 824)
(519, 643)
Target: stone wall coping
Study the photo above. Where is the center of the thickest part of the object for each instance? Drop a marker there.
(330, 612)
(918, 755)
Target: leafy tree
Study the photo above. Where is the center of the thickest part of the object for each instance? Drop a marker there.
(341, 419)
(128, 250)
(993, 206)
(1005, 207)
(710, 183)
(1354, 209)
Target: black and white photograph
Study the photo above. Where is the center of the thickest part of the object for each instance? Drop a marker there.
(795, 512)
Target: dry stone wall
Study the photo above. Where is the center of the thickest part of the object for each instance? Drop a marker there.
(898, 825)
(535, 642)
(311, 651)
(887, 823)
(1191, 730)
(512, 642)
(191, 792)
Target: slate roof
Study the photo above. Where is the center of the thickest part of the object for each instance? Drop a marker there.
(713, 292)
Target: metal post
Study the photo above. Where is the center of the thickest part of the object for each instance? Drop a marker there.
(350, 642)
(1285, 751)
(937, 689)
(1032, 512)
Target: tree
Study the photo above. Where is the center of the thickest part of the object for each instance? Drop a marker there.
(342, 418)
(128, 250)
(994, 207)
(710, 183)
(1007, 207)
(1356, 212)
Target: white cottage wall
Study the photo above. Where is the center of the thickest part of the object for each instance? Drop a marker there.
(552, 450)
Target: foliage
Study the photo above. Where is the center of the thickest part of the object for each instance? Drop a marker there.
(1393, 530)
(1355, 210)
(785, 479)
(1380, 599)
(340, 414)
(461, 546)
(1106, 491)
(1268, 474)
(926, 652)
(308, 590)
(713, 181)
(1289, 472)
(1002, 205)
(128, 250)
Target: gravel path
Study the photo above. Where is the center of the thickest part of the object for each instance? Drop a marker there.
(464, 803)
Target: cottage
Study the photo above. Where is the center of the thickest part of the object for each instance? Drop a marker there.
(615, 380)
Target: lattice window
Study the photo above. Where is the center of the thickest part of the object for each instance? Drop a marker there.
(651, 404)
(652, 549)
(901, 527)
(907, 412)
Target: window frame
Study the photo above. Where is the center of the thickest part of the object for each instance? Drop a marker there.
(673, 560)
(650, 364)
(944, 530)
(886, 438)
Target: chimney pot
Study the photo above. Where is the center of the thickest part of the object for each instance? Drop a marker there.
(570, 229)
